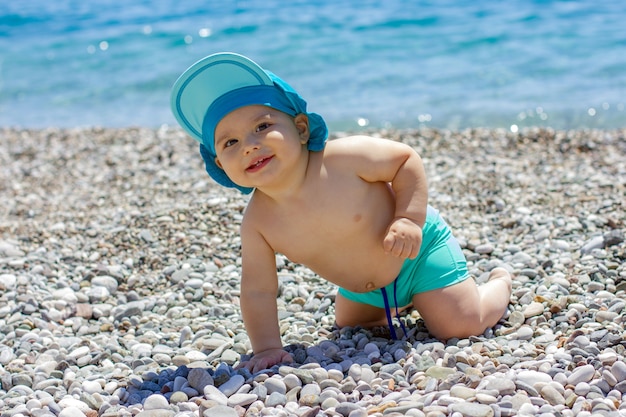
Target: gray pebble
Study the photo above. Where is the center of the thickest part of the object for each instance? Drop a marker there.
(199, 378)
(471, 409)
(359, 413)
(525, 333)
(619, 370)
(275, 398)
(220, 411)
(309, 395)
(594, 243)
(345, 408)
(291, 381)
(275, 385)
(583, 373)
(533, 377)
(241, 399)
(107, 282)
(231, 386)
(71, 412)
(214, 394)
(502, 386)
(7, 281)
(552, 395)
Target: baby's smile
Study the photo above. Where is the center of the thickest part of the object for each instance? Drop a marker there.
(259, 164)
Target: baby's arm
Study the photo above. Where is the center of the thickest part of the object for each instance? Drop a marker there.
(259, 290)
(394, 162)
(404, 235)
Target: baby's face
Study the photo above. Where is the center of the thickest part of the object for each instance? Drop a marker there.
(253, 141)
(239, 125)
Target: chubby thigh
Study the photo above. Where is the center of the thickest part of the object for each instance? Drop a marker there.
(439, 264)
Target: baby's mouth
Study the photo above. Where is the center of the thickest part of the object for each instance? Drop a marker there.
(258, 164)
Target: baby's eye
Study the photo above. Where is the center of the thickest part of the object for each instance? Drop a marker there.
(262, 126)
(230, 142)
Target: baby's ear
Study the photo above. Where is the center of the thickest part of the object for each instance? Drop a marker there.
(302, 124)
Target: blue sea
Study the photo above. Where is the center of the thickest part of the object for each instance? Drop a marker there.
(359, 63)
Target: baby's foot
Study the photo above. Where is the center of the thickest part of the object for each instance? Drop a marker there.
(503, 274)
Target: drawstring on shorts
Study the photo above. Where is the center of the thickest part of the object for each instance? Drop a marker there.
(392, 330)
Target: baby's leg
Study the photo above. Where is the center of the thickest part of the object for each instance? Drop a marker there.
(350, 313)
(464, 309)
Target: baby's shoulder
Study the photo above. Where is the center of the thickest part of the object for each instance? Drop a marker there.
(253, 218)
(357, 149)
(350, 145)
(348, 141)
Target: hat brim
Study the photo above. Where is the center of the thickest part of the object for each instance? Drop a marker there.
(207, 80)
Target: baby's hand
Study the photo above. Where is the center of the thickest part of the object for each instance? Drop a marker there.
(403, 239)
(266, 359)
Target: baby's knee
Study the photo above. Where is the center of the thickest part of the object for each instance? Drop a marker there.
(461, 328)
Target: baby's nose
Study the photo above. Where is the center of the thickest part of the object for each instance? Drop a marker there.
(252, 144)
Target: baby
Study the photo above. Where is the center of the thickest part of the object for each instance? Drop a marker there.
(354, 210)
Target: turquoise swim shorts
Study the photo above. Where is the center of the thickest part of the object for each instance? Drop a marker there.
(440, 263)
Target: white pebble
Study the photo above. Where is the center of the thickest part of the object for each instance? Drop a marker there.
(156, 402)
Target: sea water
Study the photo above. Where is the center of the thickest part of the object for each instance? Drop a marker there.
(359, 63)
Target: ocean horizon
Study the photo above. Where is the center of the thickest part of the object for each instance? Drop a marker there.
(360, 64)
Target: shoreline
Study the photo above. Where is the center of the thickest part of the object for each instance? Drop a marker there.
(119, 262)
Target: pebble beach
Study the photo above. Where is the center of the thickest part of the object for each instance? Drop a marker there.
(119, 285)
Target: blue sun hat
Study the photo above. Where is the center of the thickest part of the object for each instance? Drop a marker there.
(220, 83)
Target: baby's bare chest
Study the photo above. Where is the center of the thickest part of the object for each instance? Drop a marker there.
(332, 225)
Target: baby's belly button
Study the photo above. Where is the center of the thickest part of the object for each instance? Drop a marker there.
(370, 286)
